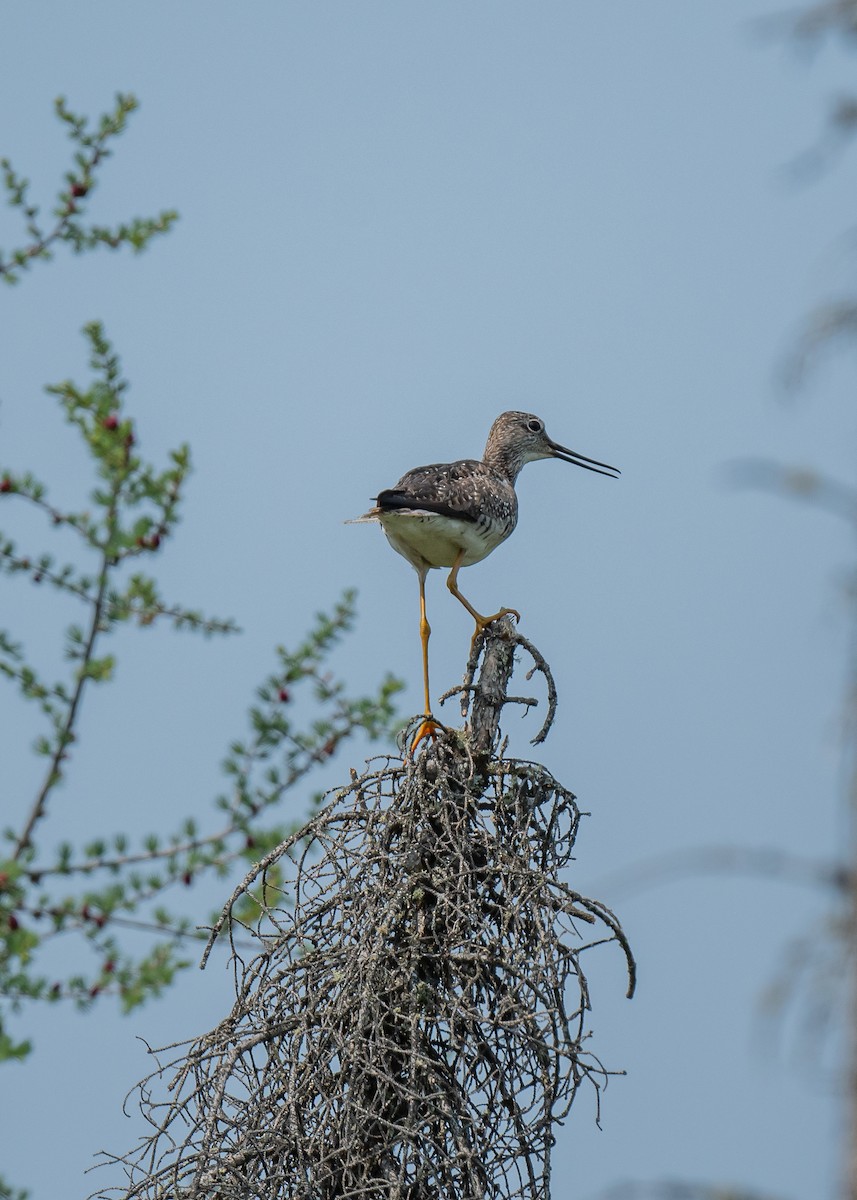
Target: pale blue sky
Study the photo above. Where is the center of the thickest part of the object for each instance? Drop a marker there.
(398, 220)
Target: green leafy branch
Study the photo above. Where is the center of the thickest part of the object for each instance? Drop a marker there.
(107, 886)
(107, 892)
(134, 511)
(259, 783)
(93, 147)
(278, 754)
(103, 892)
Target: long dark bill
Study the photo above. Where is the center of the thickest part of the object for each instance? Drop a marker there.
(580, 460)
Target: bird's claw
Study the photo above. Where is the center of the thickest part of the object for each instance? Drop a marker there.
(483, 622)
(428, 729)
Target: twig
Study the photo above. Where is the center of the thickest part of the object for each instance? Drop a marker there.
(496, 642)
(64, 733)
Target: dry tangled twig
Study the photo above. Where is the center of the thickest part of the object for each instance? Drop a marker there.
(414, 1022)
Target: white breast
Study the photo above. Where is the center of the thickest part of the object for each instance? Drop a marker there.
(429, 540)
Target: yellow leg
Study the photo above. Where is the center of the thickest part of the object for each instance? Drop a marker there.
(425, 634)
(429, 726)
(481, 622)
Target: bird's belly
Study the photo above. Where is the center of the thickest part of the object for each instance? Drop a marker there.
(428, 539)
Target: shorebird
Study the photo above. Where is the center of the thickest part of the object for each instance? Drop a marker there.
(455, 514)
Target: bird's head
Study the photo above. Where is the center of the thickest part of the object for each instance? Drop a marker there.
(517, 438)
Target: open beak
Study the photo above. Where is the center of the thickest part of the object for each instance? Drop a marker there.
(580, 460)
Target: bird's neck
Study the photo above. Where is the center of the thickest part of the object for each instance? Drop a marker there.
(503, 461)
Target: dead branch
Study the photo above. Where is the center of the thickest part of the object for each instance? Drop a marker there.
(414, 1023)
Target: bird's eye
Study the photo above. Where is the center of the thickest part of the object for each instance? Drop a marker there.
(535, 426)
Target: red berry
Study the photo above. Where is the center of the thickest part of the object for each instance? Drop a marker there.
(111, 422)
(187, 879)
(5, 484)
(13, 922)
(154, 541)
(284, 695)
(78, 189)
(93, 991)
(109, 967)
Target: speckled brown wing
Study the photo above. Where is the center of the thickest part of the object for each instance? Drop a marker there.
(440, 488)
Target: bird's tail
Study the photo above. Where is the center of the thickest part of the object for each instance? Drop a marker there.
(367, 518)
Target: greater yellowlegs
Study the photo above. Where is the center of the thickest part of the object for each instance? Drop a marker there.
(455, 514)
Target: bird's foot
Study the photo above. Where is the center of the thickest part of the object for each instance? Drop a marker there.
(428, 729)
(482, 623)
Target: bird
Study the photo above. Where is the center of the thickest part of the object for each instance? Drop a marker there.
(452, 515)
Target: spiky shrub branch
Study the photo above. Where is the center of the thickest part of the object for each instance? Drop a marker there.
(413, 1022)
(93, 892)
(93, 146)
(104, 886)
